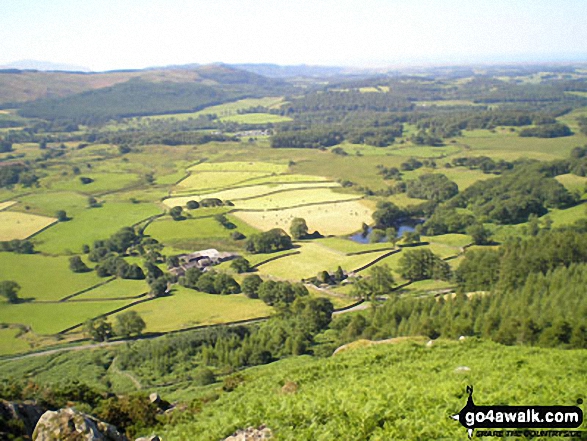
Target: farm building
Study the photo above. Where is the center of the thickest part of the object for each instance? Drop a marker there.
(201, 259)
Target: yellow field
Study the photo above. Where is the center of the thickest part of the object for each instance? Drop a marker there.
(209, 180)
(253, 191)
(241, 166)
(6, 204)
(336, 218)
(294, 198)
(15, 225)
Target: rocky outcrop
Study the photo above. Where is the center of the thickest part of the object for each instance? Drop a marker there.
(69, 424)
(251, 434)
(19, 418)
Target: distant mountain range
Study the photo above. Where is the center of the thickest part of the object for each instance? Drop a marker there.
(44, 66)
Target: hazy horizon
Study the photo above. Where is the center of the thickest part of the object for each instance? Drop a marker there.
(107, 35)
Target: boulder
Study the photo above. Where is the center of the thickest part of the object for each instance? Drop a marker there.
(251, 434)
(24, 415)
(68, 423)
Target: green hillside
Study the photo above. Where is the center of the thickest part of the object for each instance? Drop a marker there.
(400, 391)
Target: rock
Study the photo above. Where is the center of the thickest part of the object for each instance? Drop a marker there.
(462, 338)
(68, 423)
(155, 398)
(463, 369)
(26, 414)
(289, 387)
(149, 438)
(430, 343)
(251, 434)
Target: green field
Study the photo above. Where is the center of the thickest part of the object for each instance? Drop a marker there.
(103, 182)
(92, 224)
(52, 279)
(52, 318)
(333, 218)
(10, 343)
(169, 231)
(48, 203)
(573, 182)
(312, 259)
(117, 289)
(185, 308)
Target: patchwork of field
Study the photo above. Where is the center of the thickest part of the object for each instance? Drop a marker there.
(185, 308)
(211, 180)
(335, 218)
(15, 225)
(294, 198)
(252, 191)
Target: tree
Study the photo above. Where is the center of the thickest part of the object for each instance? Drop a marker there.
(129, 323)
(377, 235)
(98, 329)
(479, 234)
(61, 216)
(423, 264)
(77, 265)
(158, 287)
(391, 234)
(339, 275)
(93, 202)
(225, 284)
(387, 214)
(250, 286)
(298, 228)
(191, 277)
(192, 205)
(241, 265)
(175, 213)
(9, 289)
(379, 282)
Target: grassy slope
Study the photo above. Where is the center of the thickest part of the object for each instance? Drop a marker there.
(401, 391)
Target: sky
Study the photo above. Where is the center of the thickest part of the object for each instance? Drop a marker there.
(132, 34)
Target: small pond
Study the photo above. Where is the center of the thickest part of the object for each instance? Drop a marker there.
(407, 225)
